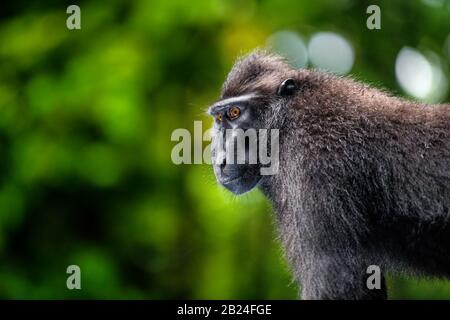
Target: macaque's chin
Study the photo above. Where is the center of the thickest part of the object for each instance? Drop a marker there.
(240, 185)
(241, 180)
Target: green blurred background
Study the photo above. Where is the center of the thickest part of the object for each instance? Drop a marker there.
(86, 117)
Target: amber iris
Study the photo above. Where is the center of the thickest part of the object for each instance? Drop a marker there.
(234, 112)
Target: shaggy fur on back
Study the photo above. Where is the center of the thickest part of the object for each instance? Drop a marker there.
(364, 177)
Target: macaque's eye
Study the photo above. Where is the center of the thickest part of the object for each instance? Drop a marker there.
(234, 113)
(219, 117)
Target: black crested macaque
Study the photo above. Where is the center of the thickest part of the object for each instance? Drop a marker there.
(363, 178)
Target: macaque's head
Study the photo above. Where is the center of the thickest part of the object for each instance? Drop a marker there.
(247, 120)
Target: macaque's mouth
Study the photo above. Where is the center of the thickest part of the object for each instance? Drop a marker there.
(240, 184)
(227, 180)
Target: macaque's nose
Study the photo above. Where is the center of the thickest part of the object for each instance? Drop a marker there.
(223, 166)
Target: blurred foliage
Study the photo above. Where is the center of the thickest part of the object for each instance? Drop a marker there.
(85, 122)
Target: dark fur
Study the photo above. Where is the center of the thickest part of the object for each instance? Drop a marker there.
(364, 178)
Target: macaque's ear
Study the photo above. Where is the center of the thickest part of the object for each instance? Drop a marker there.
(287, 87)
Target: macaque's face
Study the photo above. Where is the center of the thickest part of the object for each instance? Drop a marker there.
(247, 120)
(245, 137)
(235, 142)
